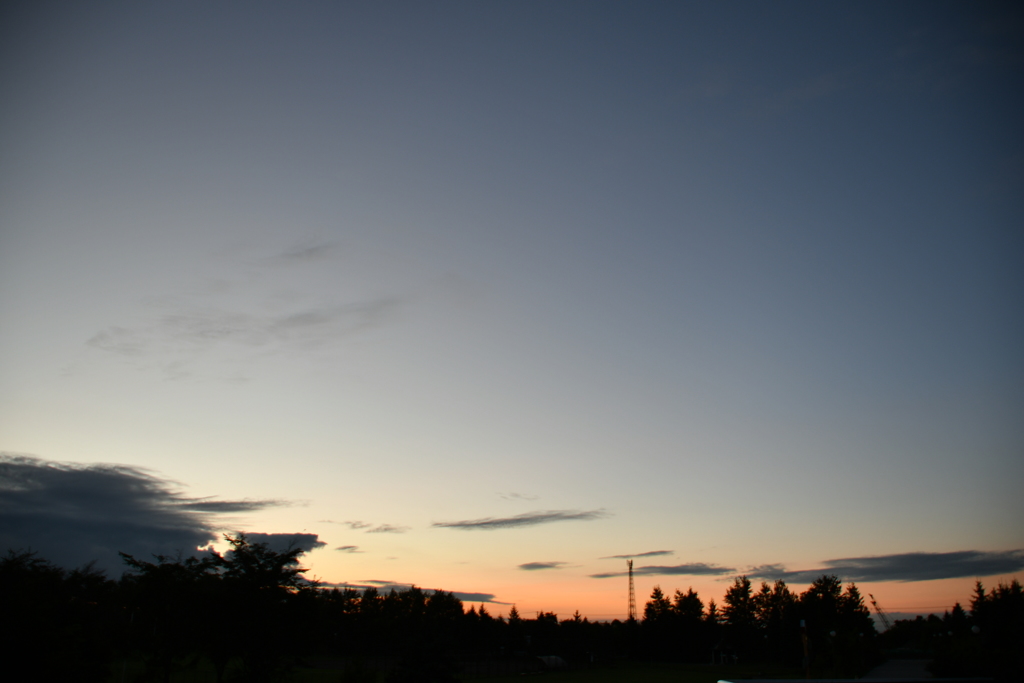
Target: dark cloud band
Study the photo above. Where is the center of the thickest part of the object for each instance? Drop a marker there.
(285, 542)
(74, 514)
(905, 567)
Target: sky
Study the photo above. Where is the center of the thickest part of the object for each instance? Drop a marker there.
(491, 296)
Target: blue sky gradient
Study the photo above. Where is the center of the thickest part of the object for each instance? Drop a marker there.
(739, 280)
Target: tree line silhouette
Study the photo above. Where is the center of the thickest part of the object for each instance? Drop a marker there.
(826, 628)
(250, 614)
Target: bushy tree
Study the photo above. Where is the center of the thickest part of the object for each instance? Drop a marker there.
(251, 605)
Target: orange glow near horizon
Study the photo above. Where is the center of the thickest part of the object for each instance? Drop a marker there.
(607, 599)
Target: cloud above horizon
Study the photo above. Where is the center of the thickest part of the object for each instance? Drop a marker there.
(284, 542)
(348, 549)
(904, 567)
(524, 519)
(693, 569)
(72, 514)
(517, 496)
(180, 334)
(175, 334)
(387, 529)
(369, 528)
(386, 586)
(649, 553)
(535, 566)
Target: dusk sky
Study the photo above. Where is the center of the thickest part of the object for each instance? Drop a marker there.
(490, 296)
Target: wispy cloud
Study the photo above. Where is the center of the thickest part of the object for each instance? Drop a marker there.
(517, 496)
(229, 506)
(348, 549)
(357, 524)
(535, 566)
(919, 566)
(193, 329)
(525, 519)
(649, 553)
(176, 334)
(693, 569)
(370, 527)
(387, 529)
(72, 514)
(301, 253)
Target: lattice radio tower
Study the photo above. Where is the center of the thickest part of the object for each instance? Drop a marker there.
(632, 592)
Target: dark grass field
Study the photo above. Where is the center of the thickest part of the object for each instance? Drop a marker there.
(125, 672)
(649, 673)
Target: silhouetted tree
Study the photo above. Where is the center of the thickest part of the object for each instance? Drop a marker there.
(657, 624)
(739, 615)
(712, 616)
(774, 609)
(839, 627)
(992, 646)
(691, 633)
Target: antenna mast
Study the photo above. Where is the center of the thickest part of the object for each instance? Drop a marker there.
(632, 592)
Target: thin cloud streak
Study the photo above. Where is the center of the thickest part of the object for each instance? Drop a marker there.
(387, 529)
(649, 553)
(228, 506)
(517, 496)
(385, 586)
(188, 331)
(535, 566)
(370, 528)
(315, 251)
(525, 519)
(694, 569)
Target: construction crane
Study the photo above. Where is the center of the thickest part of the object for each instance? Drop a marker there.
(881, 614)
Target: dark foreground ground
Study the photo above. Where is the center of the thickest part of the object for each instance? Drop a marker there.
(335, 672)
